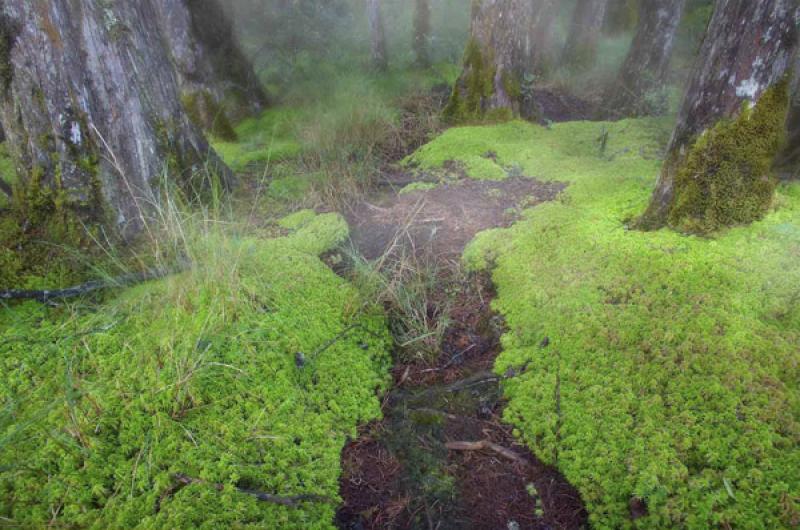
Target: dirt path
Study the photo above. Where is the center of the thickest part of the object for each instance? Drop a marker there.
(442, 458)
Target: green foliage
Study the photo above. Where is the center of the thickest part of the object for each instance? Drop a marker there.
(671, 370)
(726, 178)
(193, 374)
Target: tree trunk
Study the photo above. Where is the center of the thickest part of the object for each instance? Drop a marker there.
(217, 82)
(584, 32)
(748, 49)
(542, 31)
(377, 35)
(787, 163)
(498, 56)
(422, 32)
(622, 15)
(639, 89)
(92, 109)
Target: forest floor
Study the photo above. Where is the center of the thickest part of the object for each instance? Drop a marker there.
(442, 457)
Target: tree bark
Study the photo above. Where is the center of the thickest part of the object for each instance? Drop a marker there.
(542, 32)
(498, 56)
(622, 15)
(748, 48)
(377, 35)
(218, 84)
(638, 90)
(584, 33)
(92, 110)
(422, 32)
(787, 163)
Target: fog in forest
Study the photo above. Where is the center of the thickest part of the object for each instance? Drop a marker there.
(400, 264)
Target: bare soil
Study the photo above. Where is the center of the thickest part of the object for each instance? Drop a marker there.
(399, 473)
(442, 220)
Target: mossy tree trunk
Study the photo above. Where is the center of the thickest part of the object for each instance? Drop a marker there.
(622, 15)
(584, 32)
(218, 83)
(377, 35)
(639, 89)
(422, 32)
(787, 163)
(500, 55)
(747, 50)
(92, 110)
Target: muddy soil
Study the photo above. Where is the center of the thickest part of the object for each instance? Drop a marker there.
(442, 458)
(442, 220)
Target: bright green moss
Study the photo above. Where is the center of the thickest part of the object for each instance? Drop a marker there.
(726, 178)
(418, 186)
(267, 138)
(193, 374)
(674, 357)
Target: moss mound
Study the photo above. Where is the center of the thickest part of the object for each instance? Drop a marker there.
(670, 372)
(198, 374)
(726, 179)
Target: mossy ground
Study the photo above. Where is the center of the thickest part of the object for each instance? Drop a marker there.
(266, 138)
(194, 374)
(669, 372)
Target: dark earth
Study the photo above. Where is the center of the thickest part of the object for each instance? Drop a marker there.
(442, 458)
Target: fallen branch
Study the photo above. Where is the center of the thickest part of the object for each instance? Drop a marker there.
(47, 295)
(292, 501)
(487, 445)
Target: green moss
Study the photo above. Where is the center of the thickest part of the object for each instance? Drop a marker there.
(206, 113)
(726, 178)
(468, 100)
(7, 38)
(267, 138)
(418, 186)
(674, 358)
(193, 374)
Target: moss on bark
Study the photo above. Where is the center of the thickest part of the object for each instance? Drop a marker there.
(208, 115)
(726, 179)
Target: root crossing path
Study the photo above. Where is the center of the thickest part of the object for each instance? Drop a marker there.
(442, 458)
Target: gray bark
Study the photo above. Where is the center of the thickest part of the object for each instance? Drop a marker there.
(377, 35)
(638, 90)
(209, 61)
(584, 32)
(91, 106)
(748, 47)
(541, 45)
(422, 31)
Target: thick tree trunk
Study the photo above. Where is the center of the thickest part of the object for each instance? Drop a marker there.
(499, 54)
(622, 15)
(748, 49)
(92, 108)
(787, 163)
(217, 81)
(638, 90)
(542, 32)
(377, 35)
(422, 32)
(584, 32)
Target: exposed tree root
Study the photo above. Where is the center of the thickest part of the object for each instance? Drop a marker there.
(486, 445)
